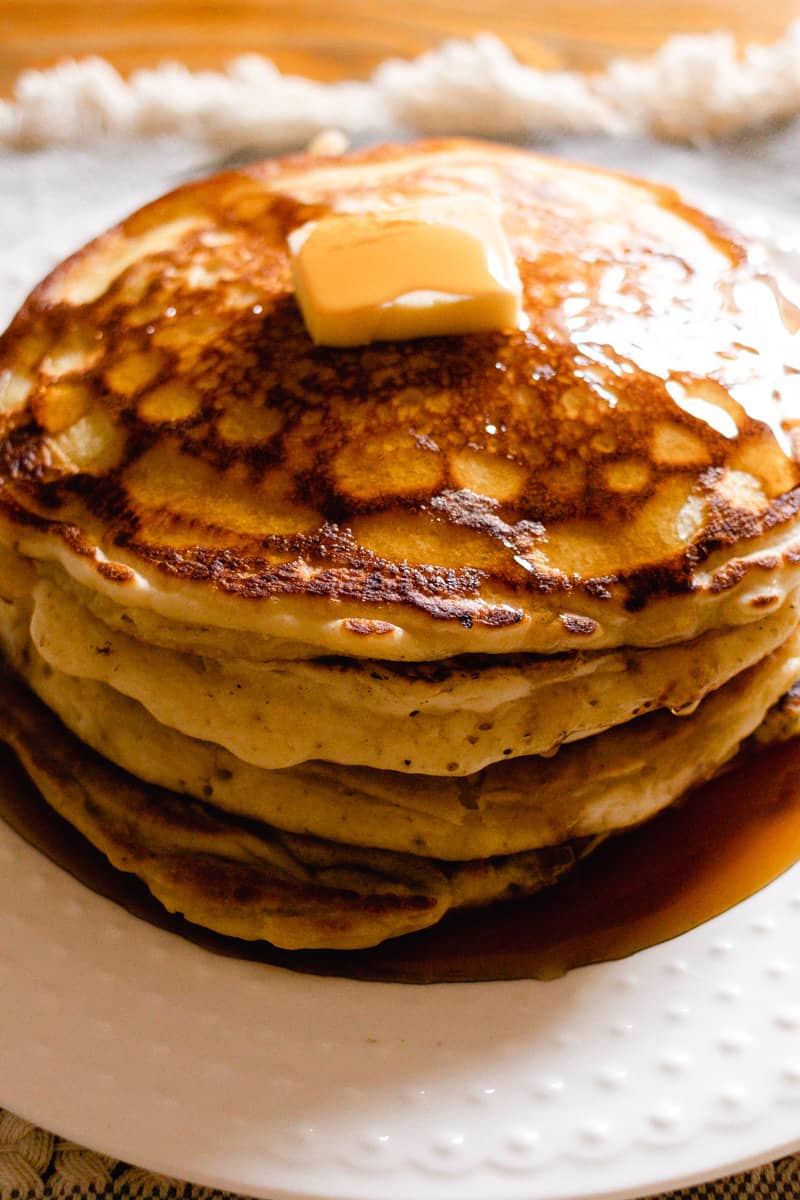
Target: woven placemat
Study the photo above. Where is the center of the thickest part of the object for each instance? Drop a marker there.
(36, 1164)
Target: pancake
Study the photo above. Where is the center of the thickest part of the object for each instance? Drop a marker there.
(253, 881)
(620, 474)
(325, 642)
(452, 717)
(597, 786)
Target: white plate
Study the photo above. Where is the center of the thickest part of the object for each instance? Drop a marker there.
(681, 1062)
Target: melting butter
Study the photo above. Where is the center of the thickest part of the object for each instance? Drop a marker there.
(440, 266)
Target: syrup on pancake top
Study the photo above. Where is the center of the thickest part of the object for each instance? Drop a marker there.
(621, 473)
(307, 586)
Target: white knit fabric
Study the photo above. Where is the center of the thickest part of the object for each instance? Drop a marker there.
(692, 87)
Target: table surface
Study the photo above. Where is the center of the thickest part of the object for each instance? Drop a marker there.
(329, 39)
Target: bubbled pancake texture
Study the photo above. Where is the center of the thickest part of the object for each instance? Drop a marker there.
(617, 475)
(358, 636)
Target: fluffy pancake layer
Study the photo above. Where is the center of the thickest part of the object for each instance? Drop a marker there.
(595, 786)
(447, 718)
(252, 880)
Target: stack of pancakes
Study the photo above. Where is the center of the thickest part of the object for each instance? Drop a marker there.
(328, 641)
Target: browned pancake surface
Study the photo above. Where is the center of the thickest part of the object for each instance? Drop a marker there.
(164, 402)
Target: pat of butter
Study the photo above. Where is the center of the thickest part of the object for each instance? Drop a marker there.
(440, 266)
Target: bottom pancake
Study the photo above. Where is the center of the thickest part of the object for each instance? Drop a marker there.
(247, 879)
(244, 878)
(512, 830)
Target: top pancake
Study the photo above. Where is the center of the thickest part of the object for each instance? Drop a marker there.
(624, 472)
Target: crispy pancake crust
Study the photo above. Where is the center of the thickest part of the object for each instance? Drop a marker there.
(169, 431)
